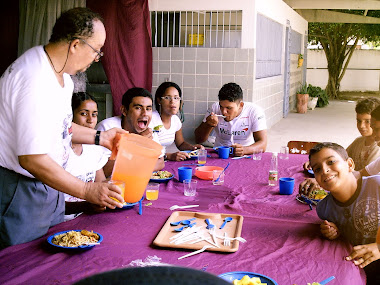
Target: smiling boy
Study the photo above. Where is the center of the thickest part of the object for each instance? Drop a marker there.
(352, 209)
(243, 126)
(136, 114)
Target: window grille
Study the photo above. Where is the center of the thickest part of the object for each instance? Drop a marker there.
(212, 29)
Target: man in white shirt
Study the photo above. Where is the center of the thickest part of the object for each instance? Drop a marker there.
(239, 124)
(136, 110)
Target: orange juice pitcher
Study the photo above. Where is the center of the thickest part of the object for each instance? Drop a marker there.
(135, 160)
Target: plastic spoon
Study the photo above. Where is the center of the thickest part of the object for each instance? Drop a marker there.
(222, 172)
(327, 280)
(184, 222)
(182, 228)
(226, 220)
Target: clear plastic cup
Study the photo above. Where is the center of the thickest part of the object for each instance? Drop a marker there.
(257, 155)
(190, 187)
(218, 177)
(151, 192)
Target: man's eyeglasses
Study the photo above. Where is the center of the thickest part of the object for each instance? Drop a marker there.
(170, 98)
(99, 53)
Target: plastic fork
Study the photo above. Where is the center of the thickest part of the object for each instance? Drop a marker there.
(182, 207)
(226, 241)
(195, 252)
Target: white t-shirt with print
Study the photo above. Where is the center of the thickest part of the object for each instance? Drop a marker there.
(166, 136)
(240, 130)
(35, 111)
(115, 122)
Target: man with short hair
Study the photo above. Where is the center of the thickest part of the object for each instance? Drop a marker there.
(136, 115)
(36, 130)
(236, 123)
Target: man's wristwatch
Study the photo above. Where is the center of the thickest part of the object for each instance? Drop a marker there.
(97, 138)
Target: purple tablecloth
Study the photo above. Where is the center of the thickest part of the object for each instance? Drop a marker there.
(283, 238)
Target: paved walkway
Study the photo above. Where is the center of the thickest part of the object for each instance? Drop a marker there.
(335, 123)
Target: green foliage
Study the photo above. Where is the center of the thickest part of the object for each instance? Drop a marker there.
(303, 89)
(315, 91)
(300, 56)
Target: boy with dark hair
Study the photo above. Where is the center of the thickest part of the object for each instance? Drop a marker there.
(364, 149)
(235, 123)
(352, 209)
(136, 114)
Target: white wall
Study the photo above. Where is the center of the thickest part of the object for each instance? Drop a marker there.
(362, 74)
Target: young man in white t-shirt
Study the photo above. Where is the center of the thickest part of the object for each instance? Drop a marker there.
(243, 126)
(136, 114)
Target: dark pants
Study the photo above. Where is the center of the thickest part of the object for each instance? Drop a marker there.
(28, 208)
(373, 273)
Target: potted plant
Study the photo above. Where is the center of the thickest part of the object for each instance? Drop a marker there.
(302, 99)
(300, 60)
(318, 92)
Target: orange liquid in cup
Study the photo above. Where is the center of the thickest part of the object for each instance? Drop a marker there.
(119, 184)
(151, 195)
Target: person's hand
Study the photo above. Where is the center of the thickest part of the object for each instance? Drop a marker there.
(178, 156)
(107, 137)
(147, 133)
(94, 208)
(238, 149)
(362, 255)
(329, 230)
(212, 120)
(308, 186)
(100, 193)
(306, 166)
(198, 146)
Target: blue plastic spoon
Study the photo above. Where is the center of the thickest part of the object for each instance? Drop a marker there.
(184, 227)
(327, 280)
(183, 222)
(226, 220)
(210, 225)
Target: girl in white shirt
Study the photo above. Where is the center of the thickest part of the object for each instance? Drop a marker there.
(168, 102)
(85, 161)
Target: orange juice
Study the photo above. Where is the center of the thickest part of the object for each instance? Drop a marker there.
(121, 185)
(151, 194)
(135, 160)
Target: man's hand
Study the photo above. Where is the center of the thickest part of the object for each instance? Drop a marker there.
(107, 137)
(212, 120)
(329, 230)
(101, 193)
(362, 255)
(147, 133)
(238, 149)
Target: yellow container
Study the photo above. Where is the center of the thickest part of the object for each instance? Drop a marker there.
(196, 39)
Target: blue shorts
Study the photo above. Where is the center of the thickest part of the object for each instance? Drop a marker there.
(28, 208)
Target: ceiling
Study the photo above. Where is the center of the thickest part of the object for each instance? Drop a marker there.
(317, 10)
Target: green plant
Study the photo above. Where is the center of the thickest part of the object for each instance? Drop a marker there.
(315, 91)
(300, 56)
(303, 89)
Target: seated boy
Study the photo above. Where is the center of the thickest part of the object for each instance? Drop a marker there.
(136, 110)
(352, 209)
(235, 123)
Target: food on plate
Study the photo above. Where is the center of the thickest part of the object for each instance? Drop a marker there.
(314, 283)
(318, 194)
(246, 280)
(161, 175)
(75, 238)
(157, 128)
(193, 153)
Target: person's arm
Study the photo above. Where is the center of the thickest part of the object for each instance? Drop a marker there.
(329, 230)
(100, 177)
(160, 164)
(205, 128)
(43, 168)
(182, 144)
(259, 144)
(84, 135)
(362, 255)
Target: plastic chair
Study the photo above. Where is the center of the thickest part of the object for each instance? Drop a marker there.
(300, 147)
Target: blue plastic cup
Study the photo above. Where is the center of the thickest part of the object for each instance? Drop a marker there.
(184, 173)
(224, 151)
(286, 185)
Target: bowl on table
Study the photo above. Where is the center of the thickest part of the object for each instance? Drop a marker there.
(205, 172)
(231, 276)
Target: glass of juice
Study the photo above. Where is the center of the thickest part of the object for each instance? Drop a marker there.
(121, 185)
(151, 192)
(202, 155)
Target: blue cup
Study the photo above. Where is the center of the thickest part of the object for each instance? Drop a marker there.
(224, 151)
(184, 173)
(286, 185)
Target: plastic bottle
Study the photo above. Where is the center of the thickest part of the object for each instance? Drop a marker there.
(273, 170)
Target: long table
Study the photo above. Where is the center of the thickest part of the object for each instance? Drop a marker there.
(283, 237)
